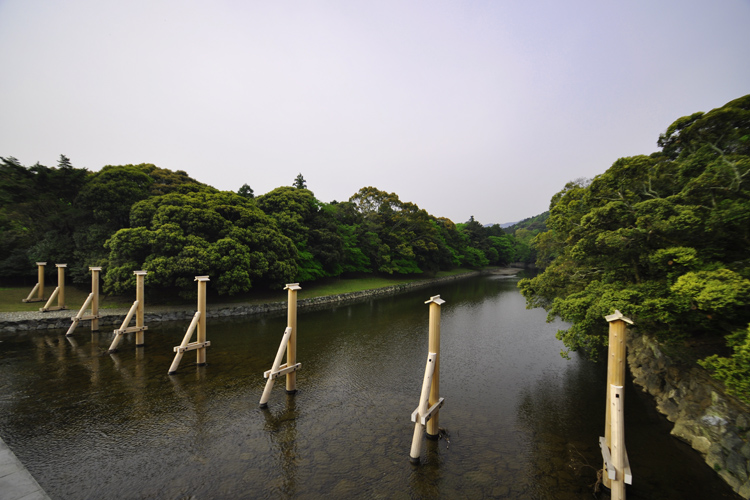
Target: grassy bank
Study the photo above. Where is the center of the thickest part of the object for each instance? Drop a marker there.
(11, 297)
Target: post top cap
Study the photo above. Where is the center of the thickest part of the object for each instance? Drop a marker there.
(95, 268)
(41, 263)
(435, 299)
(61, 265)
(201, 278)
(140, 273)
(292, 286)
(618, 315)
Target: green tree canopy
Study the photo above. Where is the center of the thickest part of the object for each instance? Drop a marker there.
(179, 236)
(664, 238)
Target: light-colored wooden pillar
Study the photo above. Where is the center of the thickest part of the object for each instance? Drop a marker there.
(617, 487)
(95, 300)
(201, 352)
(139, 313)
(40, 280)
(61, 285)
(434, 346)
(291, 348)
(615, 371)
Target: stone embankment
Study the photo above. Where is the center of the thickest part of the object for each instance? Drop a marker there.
(23, 321)
(705, 417)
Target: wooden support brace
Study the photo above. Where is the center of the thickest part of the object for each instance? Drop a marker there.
(78, 317)
(277, 367)
(423, 419)
(90, 316)
(48, 305)
(123, 328)
(192, 346)
(611, 472)
(33, 292)
(130, 329)
(422, 409)
(185, 340)
(283, 370)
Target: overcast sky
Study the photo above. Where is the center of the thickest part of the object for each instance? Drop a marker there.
(483, 108)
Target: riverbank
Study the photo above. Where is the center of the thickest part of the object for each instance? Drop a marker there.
(712, 422)
(34, 320)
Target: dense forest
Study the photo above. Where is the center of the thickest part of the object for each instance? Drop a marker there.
(664, 238)
(131, 217)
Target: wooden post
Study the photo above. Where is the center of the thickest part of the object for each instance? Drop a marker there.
(426, 414)
(434, 346)
(59, 292)
(201, 352)
(135, 310)
(199, 324)
(183, 347)
(615, 376)
(61, 285)
(291, 349)
(95, 300)
(38, 289)
(277, 369)
(618, 442)
(139, 313)
(40, 274)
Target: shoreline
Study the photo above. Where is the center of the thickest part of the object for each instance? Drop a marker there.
(32, 320)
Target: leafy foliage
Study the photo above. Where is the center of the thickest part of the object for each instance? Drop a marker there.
(178, 236)
(131, 217)
(664, 238)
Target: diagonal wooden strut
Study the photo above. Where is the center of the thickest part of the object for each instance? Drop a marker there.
(423, 414)
(186, 345)
(277, 369)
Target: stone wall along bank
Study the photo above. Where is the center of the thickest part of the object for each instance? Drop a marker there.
(715, 424)
(13, 322)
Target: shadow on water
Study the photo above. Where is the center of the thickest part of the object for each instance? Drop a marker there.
(519, 421)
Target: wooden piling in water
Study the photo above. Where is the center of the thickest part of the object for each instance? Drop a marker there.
(291, 349)
(139, 313)
(426, 414)
(95, 299)
(137, 310)
(198, 323)
(616, 358)
(618, 442)
(288, 344)
(435, 302)
(201, 354)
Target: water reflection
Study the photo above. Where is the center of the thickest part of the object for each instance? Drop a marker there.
(282, 430)
(522, 422)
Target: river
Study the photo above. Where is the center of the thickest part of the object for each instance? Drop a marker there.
(521, 422)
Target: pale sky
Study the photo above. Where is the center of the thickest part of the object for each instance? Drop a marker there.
(483, 108)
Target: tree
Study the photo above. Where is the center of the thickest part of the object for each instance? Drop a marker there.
(312, 228)
(109, 196)
(221, 234)
(299, 182)
(664, 238)
(246, 191)
(64, 162)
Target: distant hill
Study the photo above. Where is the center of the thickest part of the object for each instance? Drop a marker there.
(536, 224)
(502, 225)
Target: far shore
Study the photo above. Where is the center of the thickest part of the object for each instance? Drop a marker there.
(14, 318)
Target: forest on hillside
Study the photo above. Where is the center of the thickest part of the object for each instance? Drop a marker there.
(664, 238)
(131, 217)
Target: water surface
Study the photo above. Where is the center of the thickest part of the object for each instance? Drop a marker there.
(521, 421)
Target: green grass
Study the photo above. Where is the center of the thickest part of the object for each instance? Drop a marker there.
(11, 297)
